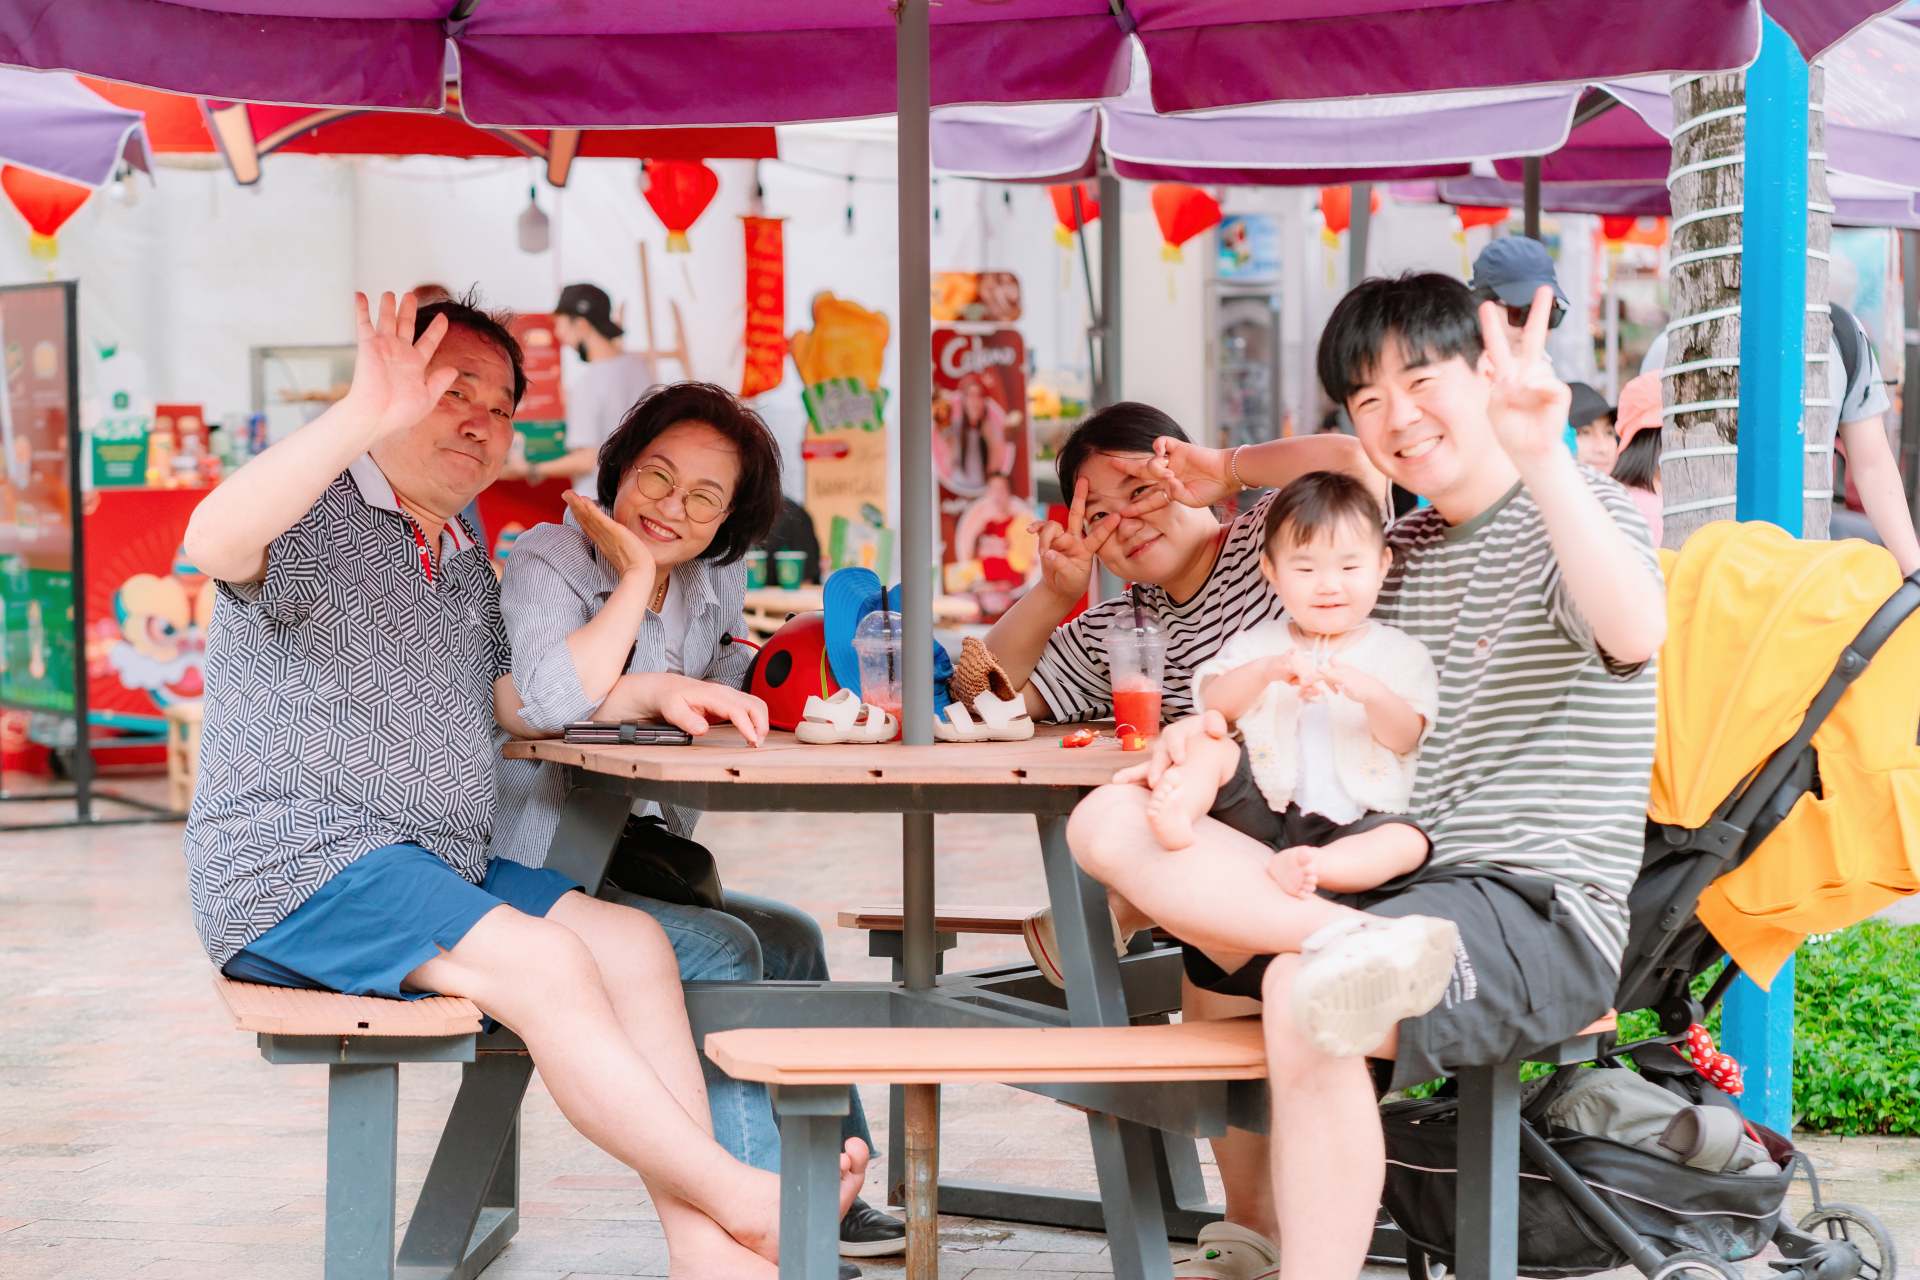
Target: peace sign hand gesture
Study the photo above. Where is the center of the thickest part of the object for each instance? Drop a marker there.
(1067, 555)
(1193, 475)
(1528, 406)
(392, 388)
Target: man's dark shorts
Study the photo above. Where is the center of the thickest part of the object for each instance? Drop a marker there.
(389, 912)
(1526, 975)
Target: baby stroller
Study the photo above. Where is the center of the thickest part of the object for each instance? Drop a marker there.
(1773, 814)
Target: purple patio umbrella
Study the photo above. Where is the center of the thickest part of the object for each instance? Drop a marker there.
(548, 63)
(55, 125)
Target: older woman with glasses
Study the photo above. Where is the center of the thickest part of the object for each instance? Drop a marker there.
(629, 609)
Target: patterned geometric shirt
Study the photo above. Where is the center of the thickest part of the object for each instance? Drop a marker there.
(1540, 759)
(349, 706)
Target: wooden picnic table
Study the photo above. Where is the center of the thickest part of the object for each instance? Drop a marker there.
(767, 608)
(1142, 1134)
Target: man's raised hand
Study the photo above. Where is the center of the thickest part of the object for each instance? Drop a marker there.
(1528, 405)
(392, 387)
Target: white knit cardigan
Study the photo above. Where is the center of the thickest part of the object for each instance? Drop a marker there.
(1379, 780)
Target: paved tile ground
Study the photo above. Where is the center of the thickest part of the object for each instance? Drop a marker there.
(140, 1137)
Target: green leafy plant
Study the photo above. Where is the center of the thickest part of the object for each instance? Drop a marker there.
(1856, 1046)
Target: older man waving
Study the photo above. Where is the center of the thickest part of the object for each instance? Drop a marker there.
(339, 829)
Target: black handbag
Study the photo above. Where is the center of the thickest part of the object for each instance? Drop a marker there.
(653, 862)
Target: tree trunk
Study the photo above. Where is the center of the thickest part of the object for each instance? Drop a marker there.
(1821, 418)
(1701, 387)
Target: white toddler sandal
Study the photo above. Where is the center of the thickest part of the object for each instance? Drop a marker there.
(1001, 720)
(827, 721)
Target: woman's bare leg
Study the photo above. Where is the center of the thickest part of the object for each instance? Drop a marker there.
(543, 979)
(1246, 1172)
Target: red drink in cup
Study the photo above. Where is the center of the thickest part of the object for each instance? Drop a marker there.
(1137, 710)
(1136, 663)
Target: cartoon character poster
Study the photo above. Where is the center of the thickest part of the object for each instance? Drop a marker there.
(148, 607)
(979, 426)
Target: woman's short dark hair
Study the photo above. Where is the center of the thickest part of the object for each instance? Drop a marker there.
(757, 499)
(469, 312)
(1431, 316)
(1319, 503)
(1127, 427)
(1638, 466)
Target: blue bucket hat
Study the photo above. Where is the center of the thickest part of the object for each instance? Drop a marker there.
(851, 594)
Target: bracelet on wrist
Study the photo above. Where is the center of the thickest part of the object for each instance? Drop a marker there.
(1233, 466)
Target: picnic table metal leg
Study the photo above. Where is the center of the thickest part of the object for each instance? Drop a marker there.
(590, 825)
(1123, 1152)
(1487, 1214)
(810, 1116)
(363, 1136)
(469, 1206)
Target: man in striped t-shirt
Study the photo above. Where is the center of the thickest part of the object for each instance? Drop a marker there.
(1533, 583)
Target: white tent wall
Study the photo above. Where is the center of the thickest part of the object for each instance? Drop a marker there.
(196, 270)
(1163, 336)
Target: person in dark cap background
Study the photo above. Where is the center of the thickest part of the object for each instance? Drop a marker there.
(1510, 271)
(1591, 418)
(613, 381)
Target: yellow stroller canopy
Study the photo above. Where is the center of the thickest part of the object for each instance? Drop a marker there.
(1757, 621)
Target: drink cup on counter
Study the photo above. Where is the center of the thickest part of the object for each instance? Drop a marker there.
(878, 641)
(789, 568)
(756, 570)
(1137, 664)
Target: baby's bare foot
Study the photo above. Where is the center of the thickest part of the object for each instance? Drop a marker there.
(1296, 870)
(1169, 811)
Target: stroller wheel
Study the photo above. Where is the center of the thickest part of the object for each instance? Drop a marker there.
(1858, 1226)
(1690, 1264)
(1421, 1267)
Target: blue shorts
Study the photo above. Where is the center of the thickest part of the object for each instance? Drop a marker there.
(387, 914)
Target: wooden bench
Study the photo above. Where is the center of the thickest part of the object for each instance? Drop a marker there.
(469, 1206)
(809, 1073)
(884, 924)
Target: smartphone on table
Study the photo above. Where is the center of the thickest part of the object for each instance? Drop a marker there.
(626, 733)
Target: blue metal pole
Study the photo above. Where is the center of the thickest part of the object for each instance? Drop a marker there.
(1758, 1025)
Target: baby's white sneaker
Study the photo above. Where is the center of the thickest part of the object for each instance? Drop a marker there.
(1359, 977)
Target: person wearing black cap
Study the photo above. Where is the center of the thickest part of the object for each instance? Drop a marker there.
(613, 381)
(1591, 418)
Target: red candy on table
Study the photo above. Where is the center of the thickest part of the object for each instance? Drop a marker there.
(1079, 738)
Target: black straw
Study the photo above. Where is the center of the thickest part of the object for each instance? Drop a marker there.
(1139, 622)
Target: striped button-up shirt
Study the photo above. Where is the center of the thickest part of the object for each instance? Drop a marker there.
(349, 706)
(555, 583)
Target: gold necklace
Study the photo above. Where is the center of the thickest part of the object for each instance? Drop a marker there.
(660, 593)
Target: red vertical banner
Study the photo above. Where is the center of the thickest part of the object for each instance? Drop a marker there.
(766, 306)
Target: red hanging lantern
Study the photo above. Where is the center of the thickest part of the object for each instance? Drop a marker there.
(679, 192)
(1336, 207)
(1472, 216)
(1183, 213)
(1617, 227)
(46, 203)
(1065, 224)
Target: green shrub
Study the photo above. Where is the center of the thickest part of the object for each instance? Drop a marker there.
(1856, 1047)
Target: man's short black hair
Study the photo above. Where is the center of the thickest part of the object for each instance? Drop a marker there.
(1126, 427)
(1431, 316)
(757, 499)
(469, 312)
(1317, 504)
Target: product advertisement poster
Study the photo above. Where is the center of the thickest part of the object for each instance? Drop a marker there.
(845, 446)
(37, 407)
(983, 459)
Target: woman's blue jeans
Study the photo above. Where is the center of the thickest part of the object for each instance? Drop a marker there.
(754, 939)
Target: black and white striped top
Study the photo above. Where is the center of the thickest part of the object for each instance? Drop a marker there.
(1540, 759)
(1072, 673)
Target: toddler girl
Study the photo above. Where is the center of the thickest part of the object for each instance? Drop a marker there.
(1332, 707)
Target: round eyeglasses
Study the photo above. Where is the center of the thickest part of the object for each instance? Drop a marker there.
(704, 506)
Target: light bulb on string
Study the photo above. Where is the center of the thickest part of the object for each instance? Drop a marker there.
(849, 204)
